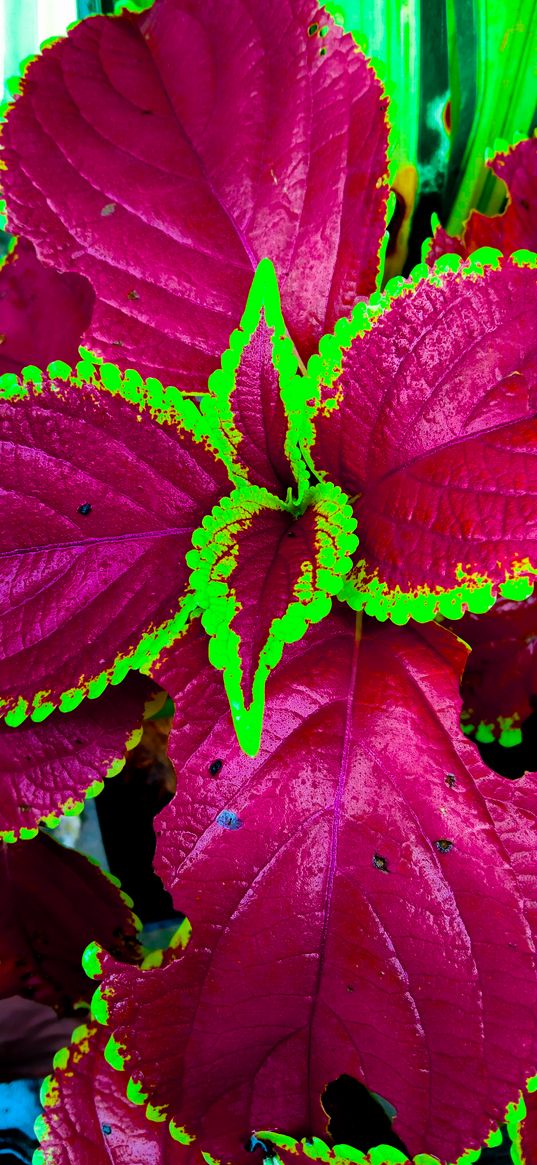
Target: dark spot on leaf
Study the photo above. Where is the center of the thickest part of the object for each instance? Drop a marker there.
(312, 29)
(380, 863)
(349, 988)
(214, 767)
(117, 343)
(84, 509)
(450, 779)
(107, 1129)
(291, 534)
(108, 209)
(524, 203)
(229, 820)
(444, 845)
(322, 52)
(132, 294)
(324, 30)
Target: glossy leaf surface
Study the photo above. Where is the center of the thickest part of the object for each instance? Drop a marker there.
(51, 767)
(154, 155)
(53, 901)
(361, 896)
(427, 419)
(42, 314)
(100, 497)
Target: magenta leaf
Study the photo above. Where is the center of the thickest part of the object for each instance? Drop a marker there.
(524, 1133)
(362, 901)
(88, 1120)
(53, 901)
(153, 154)
(263, 570)
(426, 417)
(42, 314)
(104, 480)
(255, 411)
(499, 683)
(516, 226)
(48, 769)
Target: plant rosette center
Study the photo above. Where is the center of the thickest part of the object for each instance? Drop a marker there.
(262, 570)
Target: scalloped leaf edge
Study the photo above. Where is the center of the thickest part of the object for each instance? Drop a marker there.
(220, 605)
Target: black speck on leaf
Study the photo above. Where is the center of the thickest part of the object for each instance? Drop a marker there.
(450, 779)
(380, 863)
(214, 767)
(84, 509)
(107, 1129)
(443, 845)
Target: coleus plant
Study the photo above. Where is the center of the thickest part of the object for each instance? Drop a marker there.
(295, 513)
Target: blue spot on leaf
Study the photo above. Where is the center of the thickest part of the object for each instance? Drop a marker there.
(229, 820)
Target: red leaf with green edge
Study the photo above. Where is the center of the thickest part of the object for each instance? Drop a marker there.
(87, 1119)
(427, 418)
(103, 484)
(516, 227)
(48, 769)
(262, 571)
(53, 901)
(154, 155)
(42, 314)
(255, 410)
(499, 683)
(324, 940)
(524, 1133)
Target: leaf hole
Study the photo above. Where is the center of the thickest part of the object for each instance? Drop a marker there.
(359, 1117)
(380, 863)
(443, 845)
(214, 767)
(84, 509)
(107, 1129)
(312, 29)
(450, 780)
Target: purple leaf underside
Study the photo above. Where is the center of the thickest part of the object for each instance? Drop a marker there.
(53, 902)
(42, 314)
